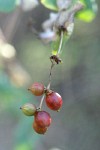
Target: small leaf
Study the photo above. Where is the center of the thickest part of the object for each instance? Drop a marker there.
(51, 4)
(87, 15)
(89, 11)
(66, 36)
(55, 44)
(7, 5)
(54, 5)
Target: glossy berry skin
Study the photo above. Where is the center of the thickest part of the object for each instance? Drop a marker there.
(42, 119)
(54, 101)
(37, 89)
(28, 109)
(38, 129)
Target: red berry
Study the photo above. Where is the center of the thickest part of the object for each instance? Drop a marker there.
(37, 89)
(54, 101)
(42, 119)
(39, 129)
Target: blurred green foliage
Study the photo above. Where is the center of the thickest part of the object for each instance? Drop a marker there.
(89, 11)
(87, 14)
(51, 4)
(7, 5)
(11, 98)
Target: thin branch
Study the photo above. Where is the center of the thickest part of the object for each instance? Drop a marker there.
(48, 86)
(50, 74)
(41, 102)
(61, 41)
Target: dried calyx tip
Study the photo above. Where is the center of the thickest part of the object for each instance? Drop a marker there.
(38, 108)
(56, 59)
(58, 110)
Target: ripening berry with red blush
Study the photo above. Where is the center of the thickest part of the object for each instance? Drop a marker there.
(37, 89)
(54, 101)
(38, 129)
(42, 119)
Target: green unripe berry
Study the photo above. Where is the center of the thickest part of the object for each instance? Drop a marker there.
(28, 109)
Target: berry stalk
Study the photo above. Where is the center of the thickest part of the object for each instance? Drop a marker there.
(48, 86)
(56, 59)
(61, 42)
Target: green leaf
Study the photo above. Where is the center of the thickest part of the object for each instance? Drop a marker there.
(89, 11)
(65, 37)
(55, 44)
(7, 5)
(51, 4)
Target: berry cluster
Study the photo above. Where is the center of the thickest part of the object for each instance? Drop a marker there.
(42, 119)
